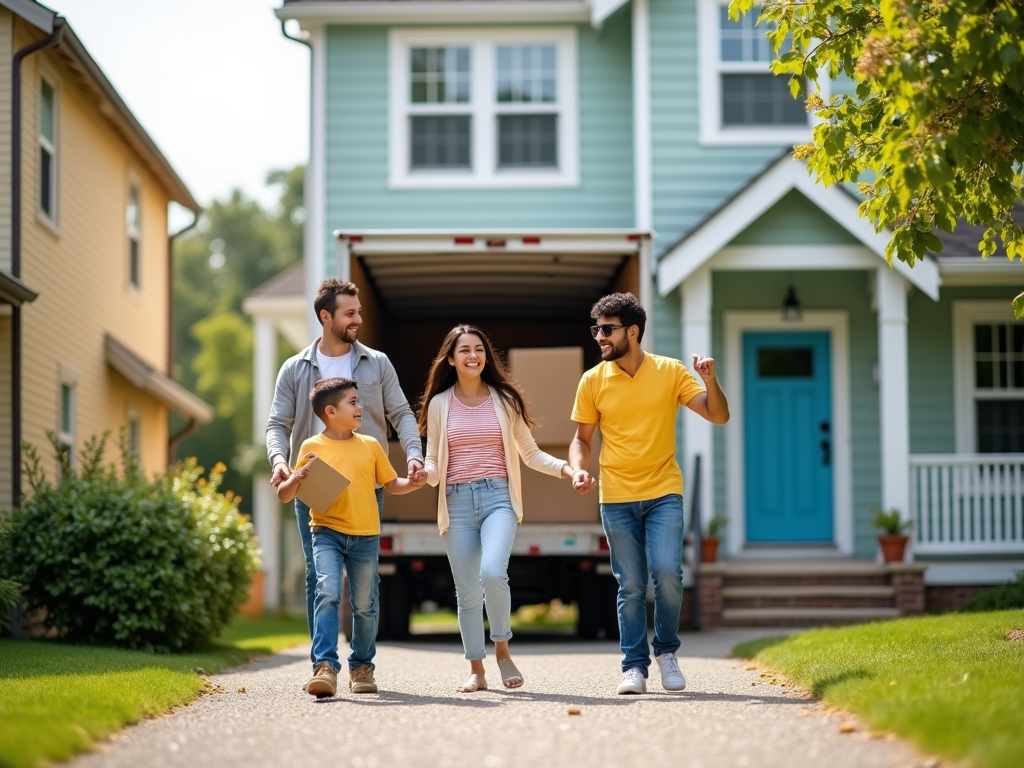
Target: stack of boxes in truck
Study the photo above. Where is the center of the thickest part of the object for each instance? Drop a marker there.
(559, 552)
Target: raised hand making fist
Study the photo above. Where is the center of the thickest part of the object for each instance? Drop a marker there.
(705, 367)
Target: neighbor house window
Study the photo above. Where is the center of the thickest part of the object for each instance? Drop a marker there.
(134, 236)
(988, 377)
(66, 421)
(483, 109)
(742, 102)
(48, 150)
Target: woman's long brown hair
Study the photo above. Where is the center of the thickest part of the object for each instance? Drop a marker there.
(442, 376)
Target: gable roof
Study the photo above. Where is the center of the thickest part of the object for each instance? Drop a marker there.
(109, 102)
(734, 215)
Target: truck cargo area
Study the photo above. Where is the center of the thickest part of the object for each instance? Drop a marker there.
(531, 292)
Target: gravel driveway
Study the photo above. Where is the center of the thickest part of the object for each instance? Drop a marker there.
(728, 716)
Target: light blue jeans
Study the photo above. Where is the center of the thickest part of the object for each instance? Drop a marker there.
(481, 529)
(646, 536)
(333, 551)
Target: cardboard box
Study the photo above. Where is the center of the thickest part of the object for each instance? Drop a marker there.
(549, 378)
(548, 499)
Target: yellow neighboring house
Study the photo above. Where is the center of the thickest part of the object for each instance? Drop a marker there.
(85, 256)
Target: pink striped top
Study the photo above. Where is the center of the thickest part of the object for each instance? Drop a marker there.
(475, 447)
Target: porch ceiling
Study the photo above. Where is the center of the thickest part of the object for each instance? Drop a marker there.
(491, 285)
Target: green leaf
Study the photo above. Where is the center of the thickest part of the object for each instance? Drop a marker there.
(1018, 307)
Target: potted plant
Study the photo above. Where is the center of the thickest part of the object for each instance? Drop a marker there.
(893, 537)
(709, 543)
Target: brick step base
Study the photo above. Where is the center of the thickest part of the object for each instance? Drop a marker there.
(884, 591)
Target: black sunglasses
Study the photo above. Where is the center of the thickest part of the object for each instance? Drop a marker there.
(604, 329)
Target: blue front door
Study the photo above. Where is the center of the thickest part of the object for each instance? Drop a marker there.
(787, 407)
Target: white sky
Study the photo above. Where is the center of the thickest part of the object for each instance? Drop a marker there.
(214, 82)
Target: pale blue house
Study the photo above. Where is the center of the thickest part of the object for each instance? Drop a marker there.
(508, 161)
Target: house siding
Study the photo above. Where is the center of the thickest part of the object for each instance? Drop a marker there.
(795, 220)
(828, 291)
(357, 194)
(688, 180)
(81, 272)
(930, 357)
(6, 52)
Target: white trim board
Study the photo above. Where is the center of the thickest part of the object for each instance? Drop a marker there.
(449, 12)
(837, 325)
(965, 315)
(743, 210)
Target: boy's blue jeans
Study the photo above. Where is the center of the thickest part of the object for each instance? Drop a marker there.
(306, 539)
(333, 551)
(646, 536)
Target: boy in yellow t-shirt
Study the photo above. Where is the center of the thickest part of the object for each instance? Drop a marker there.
(346, 534)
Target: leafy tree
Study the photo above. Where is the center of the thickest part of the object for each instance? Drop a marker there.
(934, 131)
(237, 246)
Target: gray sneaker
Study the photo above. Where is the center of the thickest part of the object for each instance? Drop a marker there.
(633, 682)
(671, 676)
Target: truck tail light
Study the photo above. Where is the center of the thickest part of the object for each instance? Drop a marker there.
(464, 241)
(387, 544)
(602, 544)
(355, 238)
(495, 243)
(633, 238)
(534, 549)
(531, 241)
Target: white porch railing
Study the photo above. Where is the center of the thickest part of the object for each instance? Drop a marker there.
(967, 504)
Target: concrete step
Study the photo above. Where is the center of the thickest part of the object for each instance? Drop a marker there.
(803, 617)
(808, 591)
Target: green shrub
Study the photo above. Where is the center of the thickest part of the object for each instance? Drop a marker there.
(9, 591)
(116, 559)
(1004, 597)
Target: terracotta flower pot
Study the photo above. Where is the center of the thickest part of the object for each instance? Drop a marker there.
(893, 547)
(709, 549)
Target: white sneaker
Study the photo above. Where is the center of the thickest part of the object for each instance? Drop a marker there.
(671, 676)
(633, 682)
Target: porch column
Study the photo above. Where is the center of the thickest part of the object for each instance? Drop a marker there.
(697, 436)
(893, 389)
(266, 508)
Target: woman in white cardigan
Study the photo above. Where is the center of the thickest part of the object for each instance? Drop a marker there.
(477, 427)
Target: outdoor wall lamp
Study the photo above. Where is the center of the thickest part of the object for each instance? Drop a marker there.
(790, 306)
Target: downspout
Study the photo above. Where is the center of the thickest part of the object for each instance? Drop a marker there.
(188, 429)
(19, 56)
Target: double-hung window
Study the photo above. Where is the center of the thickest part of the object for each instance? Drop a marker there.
(490, 108)
(741, 101)
(48, 150)
(990, 377)
(134, 233)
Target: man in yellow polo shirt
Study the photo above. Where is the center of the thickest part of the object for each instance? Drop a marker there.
(634, 397)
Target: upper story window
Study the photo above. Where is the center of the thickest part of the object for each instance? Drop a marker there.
(134, 236)
(741, 101)
(48, 150)
(472, 109)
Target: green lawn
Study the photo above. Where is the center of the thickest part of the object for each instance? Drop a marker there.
(55, 700)
(953, 684)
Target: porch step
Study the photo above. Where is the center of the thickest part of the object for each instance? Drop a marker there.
(802, 591)
(801, 617)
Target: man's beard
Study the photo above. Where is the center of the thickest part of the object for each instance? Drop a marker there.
(618, 350)
(342, 336)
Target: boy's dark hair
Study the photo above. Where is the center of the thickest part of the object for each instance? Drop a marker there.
(327, 295)
(624, 306)
(329, 392)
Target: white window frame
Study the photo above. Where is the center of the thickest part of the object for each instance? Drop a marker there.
(50, 219)
(483, 108)
(133, 234)
(68, 377)
(965, 315)
(711, 69)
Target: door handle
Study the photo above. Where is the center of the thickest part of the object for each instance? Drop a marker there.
(826, 452)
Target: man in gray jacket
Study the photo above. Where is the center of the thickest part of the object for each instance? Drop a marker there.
(336, 353)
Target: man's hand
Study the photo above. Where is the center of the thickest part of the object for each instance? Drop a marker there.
(280, 473)
(582, 481)
(417, 474)
(705, 367)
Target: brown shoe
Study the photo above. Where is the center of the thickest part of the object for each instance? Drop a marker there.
(324, 681)
(360, 680)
